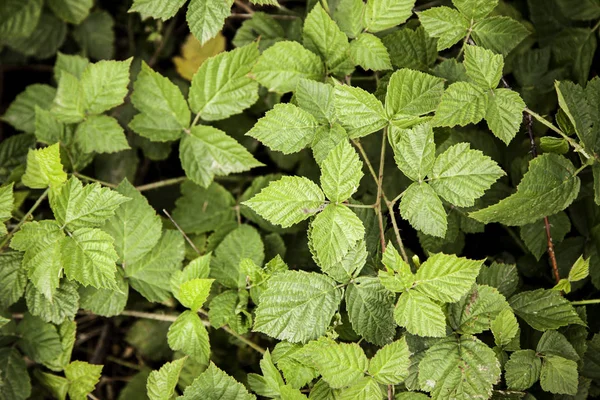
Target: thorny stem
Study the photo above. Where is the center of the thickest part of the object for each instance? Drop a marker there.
(25, 218)
(182, 232)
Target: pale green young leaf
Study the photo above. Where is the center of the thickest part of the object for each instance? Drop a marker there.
(39, 340)
(459, 367)
(207, 151)
(559, 375)
(96, 35)
(297, 306)
(504, 113)
(13, 276)
(326, 139)
(369, 53)
(104, 85)
(193, 293)
(135, 227)
(214, 384)
(504, 327)
(156, 8)
(164, 111)
(83, 378)
(423, 209)
(549, 186)
(21, 112)
(461, 175)
(414, 150)
(555, 343)
(161, 384)
(333, 233)
(484, 68)
(71, 63)
(522, 369)
(288, 201)
(19, 18)
(206, 18)
(189, 335)
(69, 103)
(41, 242)
(412, 93)
(398, 277)
(580, 269)
(446, 24)
(389, 366)
(341, 172)
(499, 34)
(370, 310)
(322, 36)
(340, 364)
(72, 11)
(475, 9)
(447, 278)
(198, 268)
(13, 369)
(359, 112)
(476, 310)
(544, 309)
(285, 128)
(461, 104)
(105, 302)
(62, 306)
(222, 86)
(88, 256)
(44, 168)
(77, 206)
(282, 65)
(385, 14)
(48, 129)
(7, 202)
(150, 275)
(316, 98)
(420, 315)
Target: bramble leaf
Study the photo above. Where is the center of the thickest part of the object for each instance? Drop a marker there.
(341, 172)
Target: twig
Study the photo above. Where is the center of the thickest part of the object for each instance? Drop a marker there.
(585, 302)
(98, 351)
(390, 392)
(462, 49)
(90, 179)
(365, 158)
(159, 184)
(244, 6)
(274, 16)
(182, 232)
(25, 218)
(379, 189)
(390, 205)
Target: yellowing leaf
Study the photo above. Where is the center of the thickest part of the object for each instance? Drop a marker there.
(193, 54)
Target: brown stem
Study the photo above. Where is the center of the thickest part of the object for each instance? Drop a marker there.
(182, 232)
(380, 191)
(244, 6)
(159, 184)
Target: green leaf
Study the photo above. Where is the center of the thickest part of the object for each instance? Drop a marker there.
(150, 275)
(559, 375)
(414, 150)
(62, 306)
(270, 382)
(365, 388)
(580, 269)
(548, 187)
(459, 367)
(75, 206)
(504, 113)
(135, 227)
(572, 101)
(193, 293)
(475, 9)
(476, 310)
(229, 308)
(484, 68)
(290, 361)
(420, 315)
(72, 11)
(83, 378)
(385, 14)
(282, 65)
(424, 210)
(6, 202)
(207, 151)
(369, 53)
(555, 343)
(288, 201)
(461, 175)
(390, 364)
(214, 384)
(221, 87)
(48, 129)
(504, 327)
(48, 35)
(189, 335)
(326, 138)
(14, 370)
(499, 34)
(341, 172)
(206, 18)
(164, 111)
(446, 278)
(446, 24)
(88, 256)
(297, 306)
(340, 364)
(56, 385)
(285, 128)
(348, 15)
(534, 234)
(461, 104)
(398, 276)
(316, 98)
(322, 36)
(201, 210)
(21, 112)
(69, 103)
(582, 10)
(39, 340)
(44, 168)
(411, 94)
(333, 233)
(104, 85)
(161, 383)
(105, 302)
(522, 369)
(13, 277)
(412, 49)
(370, 309)
(156, 8)
(359, 112)
(544, 309)
(96, 36)
(19, 18)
